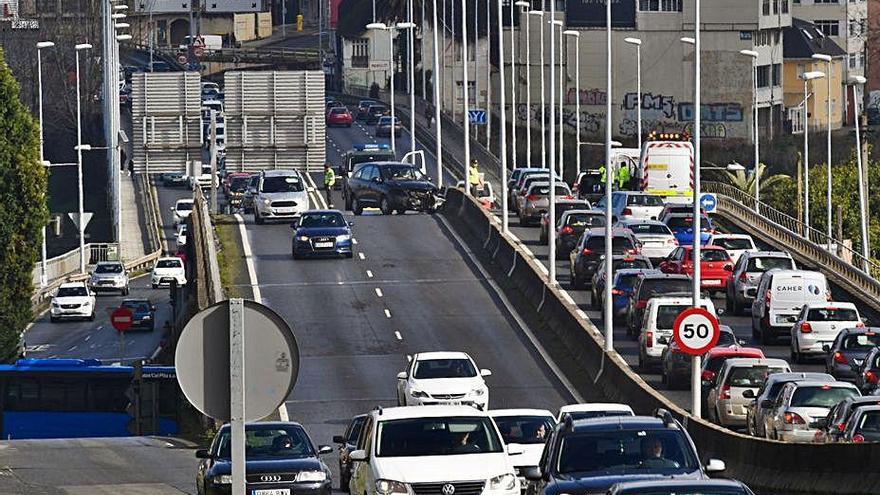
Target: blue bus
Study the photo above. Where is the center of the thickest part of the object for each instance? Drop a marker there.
(76, 398)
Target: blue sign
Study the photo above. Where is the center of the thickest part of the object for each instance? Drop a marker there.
(708, 202)
(477, 117)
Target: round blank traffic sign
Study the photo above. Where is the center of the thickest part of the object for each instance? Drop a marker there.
(696, 331)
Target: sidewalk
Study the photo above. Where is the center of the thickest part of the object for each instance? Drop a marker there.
(278, 36)
(132, 239)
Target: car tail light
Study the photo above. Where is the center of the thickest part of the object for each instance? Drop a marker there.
(872, 377)
(743, 276)
(587, 252)
(532, 197)
(841, 427)
(568, 196)
(641, 304)
(840, 358)
(806, 328)
(791, 418)
(707, 375)
(858, 438)
(767, 298)
(650, 339)
(725, 392)
(626, 211)
(566, 230)
(616, 292)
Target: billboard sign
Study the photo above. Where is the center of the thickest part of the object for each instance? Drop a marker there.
(591, 13)
(233, 6)
(162, 6)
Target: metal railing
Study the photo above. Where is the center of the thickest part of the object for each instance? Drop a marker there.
(807, 245)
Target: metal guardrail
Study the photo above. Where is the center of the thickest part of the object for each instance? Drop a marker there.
(256, 55)
(775, 227)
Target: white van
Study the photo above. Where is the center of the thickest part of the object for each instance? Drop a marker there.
(779, 297)
(666, 168)
(660, 314)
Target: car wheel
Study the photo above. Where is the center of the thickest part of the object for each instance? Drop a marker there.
(125, 291)
(349, 255)
(92, 316)
(52, 319)
(385, 206)
(155, 286)
(356, 207)
(766, 338)
(347, 199)
(257, 218)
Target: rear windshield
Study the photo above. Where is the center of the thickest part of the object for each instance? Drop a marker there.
(733, 243)
(597, 243)
(686, 222)
(667, 313)
(655, 287)
(642, 200)
(725, 339)
(860, 341)
(630, 263)
(545, 190)
(184, 206)
(338, 110)
(751, 376)
(821, 396)
(584, 220)
(869, 422)
(290, 183)
(564, 207)
(626, 281)
(712, 255)
(832, 314)
(649, 228)
(768, 263)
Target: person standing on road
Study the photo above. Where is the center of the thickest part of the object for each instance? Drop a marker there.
(329, 181)
(623, 177)
(474, 180)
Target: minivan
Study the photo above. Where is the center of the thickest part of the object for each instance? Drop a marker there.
(779, 297)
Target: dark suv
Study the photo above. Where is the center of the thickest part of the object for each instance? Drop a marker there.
(650, 285)
(590, 456)
(585, 258)
(391, 186)
(846, 354)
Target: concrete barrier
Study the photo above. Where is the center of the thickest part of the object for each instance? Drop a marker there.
(576, 346)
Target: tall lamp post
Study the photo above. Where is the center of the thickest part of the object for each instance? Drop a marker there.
(855, 82)
(528, 28)
(436, 94)
(609, 320)
(638, 44)
(410, 27)
(551, 238)
(503, 133)
(540, 14)
(79, 149)
(577, 91)
(807, 77)
(464, 100)
(40, 46)
(827, 60)
(754, 56)
(560, 152)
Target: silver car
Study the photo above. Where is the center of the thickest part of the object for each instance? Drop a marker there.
(656, 238)
(537, 201)
(281, 195)
(109, 276)
(735, 387)
(800, 404)
(764, 398)
(746, 274)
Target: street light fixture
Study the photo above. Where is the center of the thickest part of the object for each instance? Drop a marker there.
(436, 90)
(123, 37)
(118, 16)
(40, 46)
(754, 56)
(577, 91)
(79, 149)
(551, 238)
(827, 60)
(638, 44)
(609, 268)
(465, 90)
(807, 77)
(540, 13)
(856, 82)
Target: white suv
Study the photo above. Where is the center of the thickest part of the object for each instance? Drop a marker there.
(432, 450)
(72, 300)
(167, 269)
(281, 194)
(449, 378)
(818, 326)
(659, 315)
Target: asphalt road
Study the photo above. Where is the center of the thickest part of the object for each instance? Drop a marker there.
(409, 288)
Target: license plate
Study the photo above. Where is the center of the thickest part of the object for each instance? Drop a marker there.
(323, 244)
(283, 211)
(711, 282)
(274, 491)
(782, 319)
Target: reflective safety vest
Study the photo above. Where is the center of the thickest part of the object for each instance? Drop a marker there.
(329, 177)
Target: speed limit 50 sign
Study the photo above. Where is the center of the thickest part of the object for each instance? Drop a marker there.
(696, 331)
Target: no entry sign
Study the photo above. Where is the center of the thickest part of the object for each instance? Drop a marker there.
(121, 319)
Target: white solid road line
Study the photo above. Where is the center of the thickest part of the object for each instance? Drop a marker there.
(258, 297)
(519, 321)
(320, 197)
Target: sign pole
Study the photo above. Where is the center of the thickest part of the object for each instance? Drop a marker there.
(696, 330)
(696, 389)
(121, 347)
(214, 160)
(236, 393)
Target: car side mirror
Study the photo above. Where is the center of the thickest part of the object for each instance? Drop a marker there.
(351, 224)
(402, 375)
(728, 268)
(741, 342)
(531, 473)
(294, 225)
(358, 455)
(338, 439)
(766, 404)
(324, 449)
(749, 394)
(485, 372)
(752, 292)
(203, 454)
(715, 466)
(720, 311)
(153, 307)
(377, 180)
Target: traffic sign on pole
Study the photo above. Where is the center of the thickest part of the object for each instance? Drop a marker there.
(121, 318)
(477, 116)
(696, 331)
(709, 202)
(181, 59)
(198, 51)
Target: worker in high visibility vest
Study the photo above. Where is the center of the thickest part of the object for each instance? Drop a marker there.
(474, 180)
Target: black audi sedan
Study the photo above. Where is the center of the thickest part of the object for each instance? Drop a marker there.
(390, 186)
(280, 459)
(321, 233)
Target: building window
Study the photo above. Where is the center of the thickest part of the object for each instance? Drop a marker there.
(776, 35)
(828, 27)
(825, 1)
(777, 74)
(360, 52)
(765, 7)
(784, 6)
(660, 5)
(800, 70)
(763, 76)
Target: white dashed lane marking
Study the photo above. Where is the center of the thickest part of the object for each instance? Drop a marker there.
(387, 313)
(379, 292)
(399, 337)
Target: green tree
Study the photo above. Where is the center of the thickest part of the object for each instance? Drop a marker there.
(24, 213)
(746, 182)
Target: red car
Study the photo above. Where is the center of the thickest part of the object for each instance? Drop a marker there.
(716, 356)
(340, 116)
(715, 265)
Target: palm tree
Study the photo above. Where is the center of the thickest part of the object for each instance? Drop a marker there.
(746, 182)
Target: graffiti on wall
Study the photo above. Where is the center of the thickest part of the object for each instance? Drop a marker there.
(593, 96)
(874, 100)
(591, 123)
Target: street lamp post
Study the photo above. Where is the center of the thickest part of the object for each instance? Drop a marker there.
(79, 150)
(638, 44)
(754, 56)
(561, 151)
(577, 99)
(551, 238)
(528, 28)
(464, 100)
(40, 46)
(540, 14)
(807, 77)
(438, 136)
(503, 133)
(827, 60)
(857, 81)
(489, 81)
(609, 320)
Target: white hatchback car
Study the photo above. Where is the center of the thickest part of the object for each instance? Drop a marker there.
(182, 210)
(528, 428)
(167, 269)
(432, 450)
(818, 326)
(443, 378)
(72, 300)
(734, 244)
(180, 238)
(659, 315)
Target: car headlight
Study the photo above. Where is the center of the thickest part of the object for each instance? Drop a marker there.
(418, 394)
(303, 238)
(266, 202)
(147, 317)
(387, 487)
(223, 479)
(311, 476)
(479, 392)
(87, 303)
(343, 238)
(506, 481)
